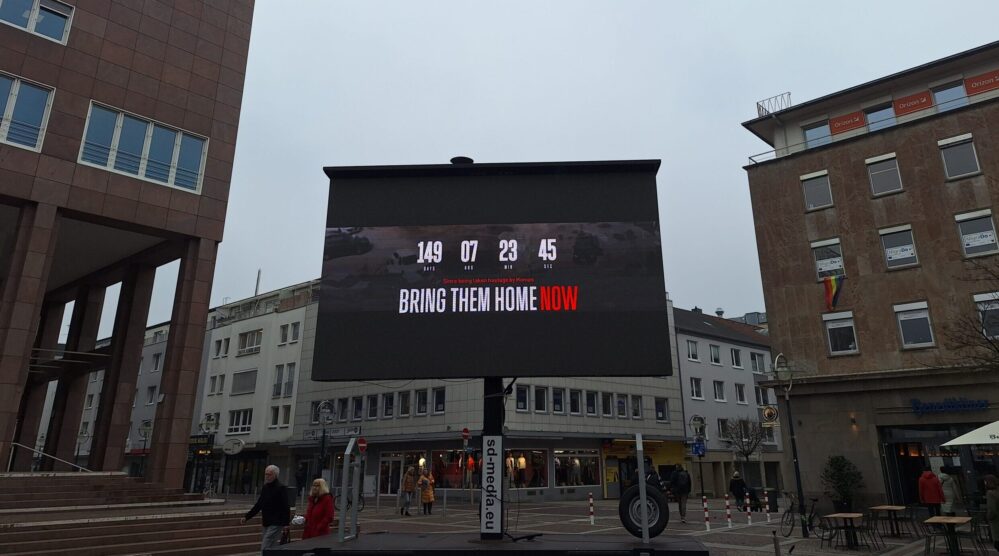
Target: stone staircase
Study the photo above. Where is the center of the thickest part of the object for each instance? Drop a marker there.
(41, 492)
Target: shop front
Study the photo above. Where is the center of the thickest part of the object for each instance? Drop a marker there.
(621, 463)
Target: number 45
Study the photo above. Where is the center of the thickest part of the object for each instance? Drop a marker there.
(547, 250)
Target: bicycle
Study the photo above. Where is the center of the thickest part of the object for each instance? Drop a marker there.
(210, 490)
(338, 504)
(793, 515)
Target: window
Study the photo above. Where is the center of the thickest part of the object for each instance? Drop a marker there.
(692, 350)
(521, 398)
(950, 96)
(736, 358)
(439, 400)
(959, 156)
(388, 404)
(221, 384)
(988, 312)
(284, 334)
(828, 255)
(225, 347)
(914, 324)
(607, 404)
(249, 342)
(240, 421)
(42, 17)
(695, 388)
(883, 174)
(211, 385)
(723, 428)
(373, 406)
(662, 410)
(762, 396)
(577, 467)
(289, 380)
(591, 403)
(285, 415)
(150, 395)
(880, 117)
(817, 134)
(85, 428)
(978, 232)
(558, 400)
(356, 408)
(758, 362)
(275, 414)
(421, 402)
(540, 399)
(218, 348)
(295, 327)
(404, 404)
(156, 361)
(839, 329)
(341, 409)
(768, 435)
(719, 388)
(900, 249)
(314, 411)
(636, 407)
(740, 393)
(816, 190)
(622, 406)
(575, 402)
(143, 149)
(715, 354)
(278, 381)
(244, 382)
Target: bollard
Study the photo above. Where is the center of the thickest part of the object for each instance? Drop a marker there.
(591, 508)
(728, 512)
(707, 518)
(749, 511)
(766, 502)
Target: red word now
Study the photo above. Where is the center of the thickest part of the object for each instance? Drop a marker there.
(558, 298)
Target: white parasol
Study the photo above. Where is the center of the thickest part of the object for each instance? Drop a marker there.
(989, 434)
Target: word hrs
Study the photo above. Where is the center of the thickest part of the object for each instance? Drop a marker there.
(488, 299)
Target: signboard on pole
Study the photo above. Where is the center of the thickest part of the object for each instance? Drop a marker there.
(698, 448)
(492, 485)
(362, 445)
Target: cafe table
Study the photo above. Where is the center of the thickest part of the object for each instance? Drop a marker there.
(953, 546)
(894, 528)
(849, 529)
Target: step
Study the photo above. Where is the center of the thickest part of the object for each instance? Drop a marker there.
(27, 475)
(122, 506)
(96, 500)
(152, 533)
(84, 529)
(184, 546)
(87, 493)
(95, 520)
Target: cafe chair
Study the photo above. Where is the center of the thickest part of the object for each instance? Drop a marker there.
(826, 531)
(975, 535)
(868, 530)
(925, 532)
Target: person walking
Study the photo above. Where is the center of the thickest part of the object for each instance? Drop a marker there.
(301, 477)
(680, 483)
(273, 507)
(319, 513)
(931, 493)
(951, 490)
(408, 490)
(992, 507)
(427, 492)
(738, 489)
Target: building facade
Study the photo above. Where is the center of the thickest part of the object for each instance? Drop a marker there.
(885, 192)
(117, 138)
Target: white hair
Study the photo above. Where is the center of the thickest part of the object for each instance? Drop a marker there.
(274, 468)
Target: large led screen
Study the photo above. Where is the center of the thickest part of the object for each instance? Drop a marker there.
(541, 269)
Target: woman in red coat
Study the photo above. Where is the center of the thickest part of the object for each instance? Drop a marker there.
(319, 514)
(931, 493)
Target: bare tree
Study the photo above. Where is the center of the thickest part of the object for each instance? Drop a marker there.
(746, 435)
(973, 338)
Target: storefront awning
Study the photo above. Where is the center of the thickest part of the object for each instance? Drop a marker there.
(989, 434)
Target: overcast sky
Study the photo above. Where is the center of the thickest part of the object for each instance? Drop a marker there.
(368, 82)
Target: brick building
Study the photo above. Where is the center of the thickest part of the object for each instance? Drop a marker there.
(118, 131)
(891, 184)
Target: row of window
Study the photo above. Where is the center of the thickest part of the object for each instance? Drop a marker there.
(959, 157)
(393, 404)
(245, 382)
(757, 360)
(113, 139)
(976, 230)
(250, 342)
(718, 386)
(915, 328)
(625, 406)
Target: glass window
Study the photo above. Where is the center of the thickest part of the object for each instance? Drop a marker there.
(636, 407)
(275, 410)
(295, 327)
(100, 133)
(456, 468)
(52, 20)
(715, 354)
(622, 405)
(439, 400)
(914, 326)
(736, 358)
(575, 402)
(527, 468)
(577, 467)
(978, 235)
(521, 398)
(950, 96)
(817, 192)
(761, 396)
(278, 380)
(988, 312)
(189, 161)
(240, 421)
(740, 393)
(692, 350)
(30, 106)
(421, 402)
(388, 404)
(244, 382)
(719, 388)
(285, 415)
(723, 429)
(900, 249)
(591, 403)
(373, 406)
(160, 154)
(404, 404)
(211, 385)
(314, 412)
(842, 338)
(341, 409)
(16, 11)
(695, 388)
(959, 159)
(880, 117)
(884, 176)
(558, 400)
(540, 399)
(817, 135)
(607, 404)
(283, 332)
(221, 384)
(828, 259)
(6, 86)
(131, 141)
(662, 409)
(357, 408)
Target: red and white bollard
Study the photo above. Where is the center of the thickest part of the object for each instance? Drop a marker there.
(766, 502)
(707, 518)
(728, 512)
(749, 511)
(591, 508)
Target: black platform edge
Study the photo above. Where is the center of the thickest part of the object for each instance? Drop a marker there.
(462, 543)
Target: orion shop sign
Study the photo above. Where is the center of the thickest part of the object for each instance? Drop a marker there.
(949, 405)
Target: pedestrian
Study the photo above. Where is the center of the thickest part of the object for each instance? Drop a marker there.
(680, 483)
(992, 507)
(273, 507)
(408, 490)
(738, 489)
(427, 492)
(301, 476)
(319, 513)
(931, 493)
(951, 490)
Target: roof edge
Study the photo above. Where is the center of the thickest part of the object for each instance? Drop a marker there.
(492, 168)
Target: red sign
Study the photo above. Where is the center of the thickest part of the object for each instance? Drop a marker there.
(465, 434)
(913, 103)
(982, 83)
(362, 445)
(846, 122)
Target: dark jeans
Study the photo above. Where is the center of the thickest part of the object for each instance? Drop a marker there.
(934, 509)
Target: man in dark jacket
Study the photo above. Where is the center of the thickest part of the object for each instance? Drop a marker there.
(273, 505)
(681, 489)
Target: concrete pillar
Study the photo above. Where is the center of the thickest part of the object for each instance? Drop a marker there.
(33, 399)
(182, 365)
(21, 298)
(71, 391)
(107, 448)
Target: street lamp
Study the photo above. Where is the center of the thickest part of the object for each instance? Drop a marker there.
(785, 375)
(697, 427)
(207, 426)
(327, 412)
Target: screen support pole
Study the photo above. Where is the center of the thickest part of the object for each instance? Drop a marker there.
(493, 463)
